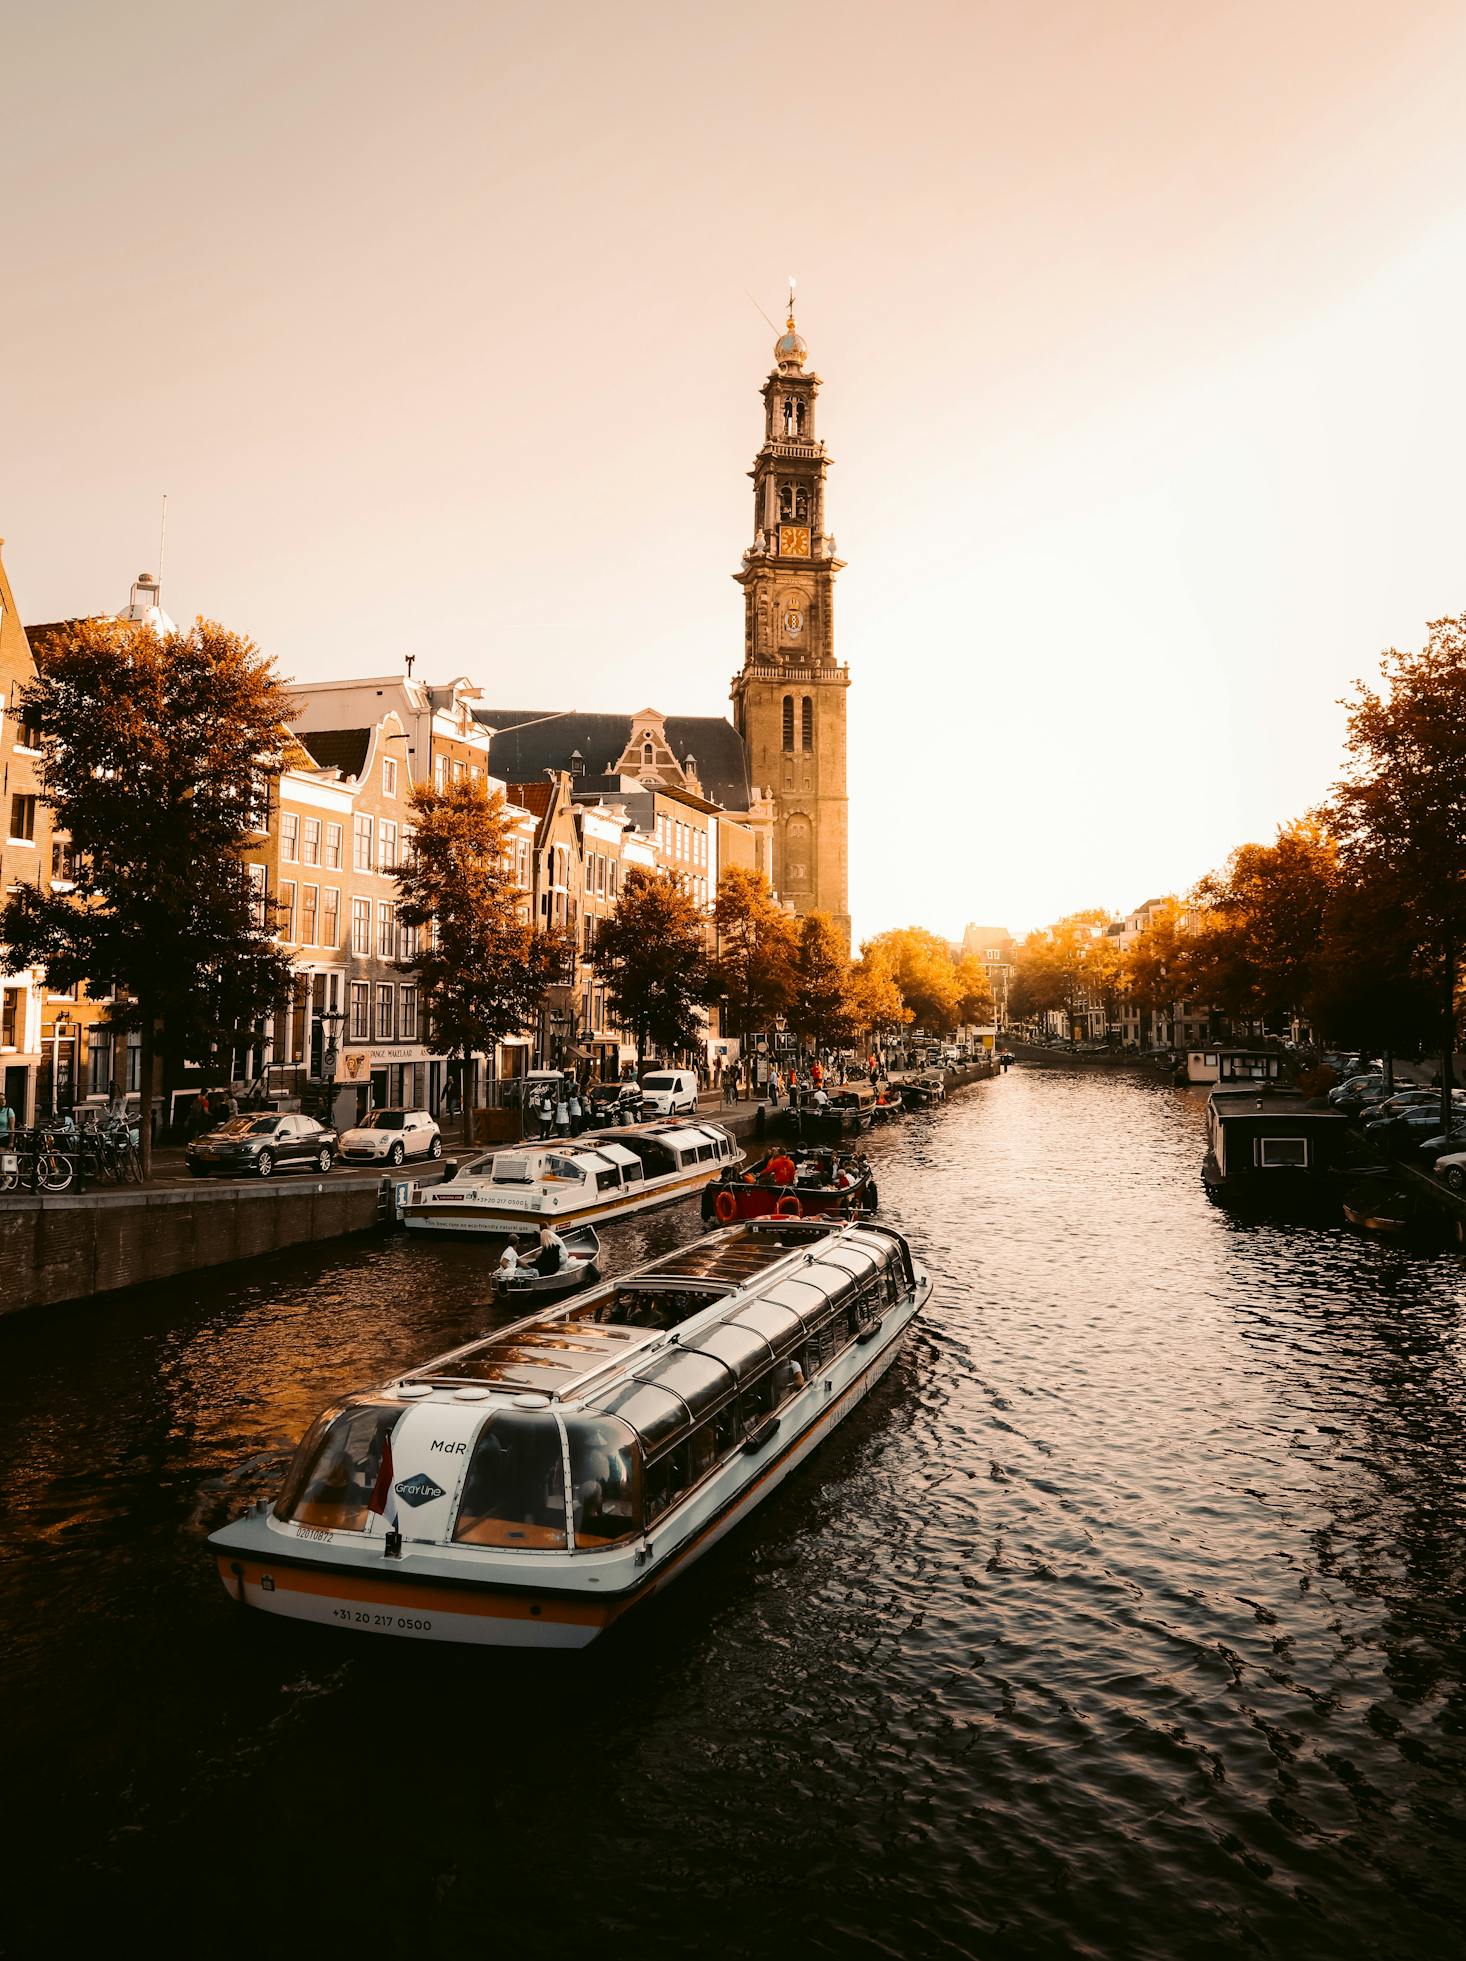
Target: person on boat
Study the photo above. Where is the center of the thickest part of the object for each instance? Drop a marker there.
(821, 1101)
(551, 1254)
(788, 1379)
(509, 1259)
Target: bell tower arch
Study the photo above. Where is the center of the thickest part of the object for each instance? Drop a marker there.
(789, 698)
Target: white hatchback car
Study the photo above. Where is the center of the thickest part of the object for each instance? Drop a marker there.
(389, 1136)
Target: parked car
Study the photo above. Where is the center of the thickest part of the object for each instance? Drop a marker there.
(388, 1136)
(1450, 1167)
(263, 1143)
(1401, 1103)
(1438, 1146)
(1351, 1084)
(615, 1103)
(669, 1093)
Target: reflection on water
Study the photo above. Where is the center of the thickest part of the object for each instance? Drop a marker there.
(1125, 1618)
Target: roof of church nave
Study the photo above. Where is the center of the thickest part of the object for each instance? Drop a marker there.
(549, 739)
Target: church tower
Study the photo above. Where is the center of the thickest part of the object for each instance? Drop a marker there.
(789, 700)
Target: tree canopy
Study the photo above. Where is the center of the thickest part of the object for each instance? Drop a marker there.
(820, 1010)
(481, 966)
(160, 749)
(652, 956)
(757, 943)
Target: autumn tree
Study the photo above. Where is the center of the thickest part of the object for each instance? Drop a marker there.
(1261, 921)
(1157, 974)
(1049, 967)
(1399, 812)
(876, 1006)
(482, 968)
(757, 945)
(652, 956)
(974, 992)
(160, 750)
(820, 1006)
(923, 970)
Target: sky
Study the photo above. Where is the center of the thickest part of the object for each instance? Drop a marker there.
(1139, 325)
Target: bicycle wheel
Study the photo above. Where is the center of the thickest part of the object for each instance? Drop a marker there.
(59, 1170)
(132, 1164)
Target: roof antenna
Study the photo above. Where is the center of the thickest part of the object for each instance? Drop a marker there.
(409, 658)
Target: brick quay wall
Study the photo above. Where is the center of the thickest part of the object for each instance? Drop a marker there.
(66, 1247)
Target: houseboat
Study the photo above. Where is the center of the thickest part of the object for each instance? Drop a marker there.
(528, 1489)
(1219, 1065)
(797, 1183)
(1266, 1140)
(575, 1181)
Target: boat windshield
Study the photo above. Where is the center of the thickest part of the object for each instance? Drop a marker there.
(331, 1480)
(605, 1476)
(514, 1489)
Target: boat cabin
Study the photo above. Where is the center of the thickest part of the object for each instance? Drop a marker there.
(580, 1427)
(605, 1161)
(1257, 1131)
(1219, 1065)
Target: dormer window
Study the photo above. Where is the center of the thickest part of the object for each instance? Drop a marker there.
(646, 754)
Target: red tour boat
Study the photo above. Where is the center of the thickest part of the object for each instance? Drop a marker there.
(793, 1183)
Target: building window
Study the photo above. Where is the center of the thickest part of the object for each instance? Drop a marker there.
(361, 997)
(386, 846)
(10, 1001)
(310, 847)
(406, 942)
(386, 996)
(808, 722)
(333, 848)
(361, 927)
(330, 916)
(386, 930)
(440, 774)
(389, 776)
(361, 843)
(646, 755)
(28, 729)
(257, 897)
(289, 837)
(285, 920)
(63, 861)
(22, 820)
(309, 906)
(407, 1014)
(788, 721)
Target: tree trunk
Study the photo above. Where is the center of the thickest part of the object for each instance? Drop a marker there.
(146, 1067)
(1389, 1061)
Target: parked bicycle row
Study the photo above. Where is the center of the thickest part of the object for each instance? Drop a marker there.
(59, 1157)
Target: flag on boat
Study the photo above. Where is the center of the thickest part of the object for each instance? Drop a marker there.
(384, 1499)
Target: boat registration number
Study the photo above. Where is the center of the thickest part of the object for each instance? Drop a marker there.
(365, 1617)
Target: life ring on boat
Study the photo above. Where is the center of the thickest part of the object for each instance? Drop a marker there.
(788, 1207)
(726, 1207)
(781, 1170)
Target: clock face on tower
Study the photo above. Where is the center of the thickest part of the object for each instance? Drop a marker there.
(794, 541)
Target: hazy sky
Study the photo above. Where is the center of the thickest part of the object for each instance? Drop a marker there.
(1141, 327)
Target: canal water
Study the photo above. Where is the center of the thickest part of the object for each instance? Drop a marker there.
(1126, 1618)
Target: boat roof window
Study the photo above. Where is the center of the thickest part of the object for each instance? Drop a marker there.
(655, 1414)
(699, 1379)
(744, 1351)
(567, 1169)
(617, 1154)
(779, 1326)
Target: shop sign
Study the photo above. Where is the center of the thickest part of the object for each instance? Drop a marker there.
(354, 1066)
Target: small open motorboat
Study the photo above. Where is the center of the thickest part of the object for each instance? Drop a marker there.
(525, 1287)
(920, 1092)
(789, 1184)
(1383, 1206)
(888, 1106)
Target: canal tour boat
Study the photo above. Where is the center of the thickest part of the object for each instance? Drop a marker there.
(528, 1489)
(574, 1181)
(792, 1184)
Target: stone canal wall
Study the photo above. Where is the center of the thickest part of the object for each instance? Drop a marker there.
(66, 1248)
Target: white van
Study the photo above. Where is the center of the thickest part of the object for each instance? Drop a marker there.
(669, 1093)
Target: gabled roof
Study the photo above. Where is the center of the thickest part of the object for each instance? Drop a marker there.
(343, 749)
(528, 741)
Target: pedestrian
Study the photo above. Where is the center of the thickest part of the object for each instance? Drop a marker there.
(577, 1111)
(562, 1112)
(231, 1103)
(774, 1085)
(7, 1120)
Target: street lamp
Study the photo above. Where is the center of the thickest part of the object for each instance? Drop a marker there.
(331, 1020)
(60, 1027)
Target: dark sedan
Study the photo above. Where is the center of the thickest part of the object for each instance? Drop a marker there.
(263, 1144)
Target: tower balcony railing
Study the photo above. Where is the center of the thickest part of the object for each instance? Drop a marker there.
(796, 446)
(775, 670)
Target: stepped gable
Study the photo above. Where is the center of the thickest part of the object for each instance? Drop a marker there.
(520, 754)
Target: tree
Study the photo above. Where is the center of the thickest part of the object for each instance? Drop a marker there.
(757, 945)
(1400, 812)
(922, 968)
(1106, 972)
(820, 1011)
(652, 956)
(481, 967)
(1049, 969)
(1261, 922)
(974, 994)
(875, 999)
(159, 752)
(1156, 973)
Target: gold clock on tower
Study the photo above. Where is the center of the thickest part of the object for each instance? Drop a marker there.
(794, 541)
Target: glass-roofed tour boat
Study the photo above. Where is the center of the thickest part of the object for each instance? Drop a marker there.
(528, 1489)
(567, 1181)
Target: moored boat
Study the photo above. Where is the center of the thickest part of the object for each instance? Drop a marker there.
(792, 1184)
(845, 1110)
(1270, 1142)
(888, 1107)
(919, 1092)
(600, 1176)
(528, 1285)
(530, 1488)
